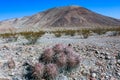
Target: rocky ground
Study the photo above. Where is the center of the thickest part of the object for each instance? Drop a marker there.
(100, 57)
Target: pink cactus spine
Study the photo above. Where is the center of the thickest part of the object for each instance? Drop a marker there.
(38, 70)
(47, 56)
(73, 60)
(51, 71)
(61, 59)
(58, 48)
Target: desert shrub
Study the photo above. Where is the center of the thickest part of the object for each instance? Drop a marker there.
(70, 32)
(99, 30)
(58, 34)
(7, 35)
(85, 33)
(32, 36)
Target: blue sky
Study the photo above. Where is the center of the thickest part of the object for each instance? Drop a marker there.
(19, 8)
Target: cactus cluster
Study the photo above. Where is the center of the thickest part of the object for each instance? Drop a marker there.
(53, 61)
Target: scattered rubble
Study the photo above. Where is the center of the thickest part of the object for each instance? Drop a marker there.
(100, 59)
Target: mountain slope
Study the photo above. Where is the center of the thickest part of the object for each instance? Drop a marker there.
(69, 16)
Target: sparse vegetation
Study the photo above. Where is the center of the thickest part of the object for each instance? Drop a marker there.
(32, 37)
(85, 32)
(58, 34)
(7, 35)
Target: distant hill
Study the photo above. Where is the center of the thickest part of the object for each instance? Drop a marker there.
(68, 16)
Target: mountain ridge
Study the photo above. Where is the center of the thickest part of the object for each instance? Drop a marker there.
(67, 16)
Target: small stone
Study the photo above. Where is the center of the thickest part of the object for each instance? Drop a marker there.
(118, 61)
(112, 78)
(15, 79)
(118, 73)
(11, 64)
(107, 57)
(62, 77)
(106, 77)
(4, 79)
(93, 75)
(93, 79)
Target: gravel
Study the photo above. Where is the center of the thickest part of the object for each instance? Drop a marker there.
(100, 57)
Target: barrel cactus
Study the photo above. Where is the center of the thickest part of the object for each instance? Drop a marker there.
(38, 70)
(51, 71)
(47, 56)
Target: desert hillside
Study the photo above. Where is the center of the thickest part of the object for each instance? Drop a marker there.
(68, 16)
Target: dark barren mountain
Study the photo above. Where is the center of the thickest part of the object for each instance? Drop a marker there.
(69, 16)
